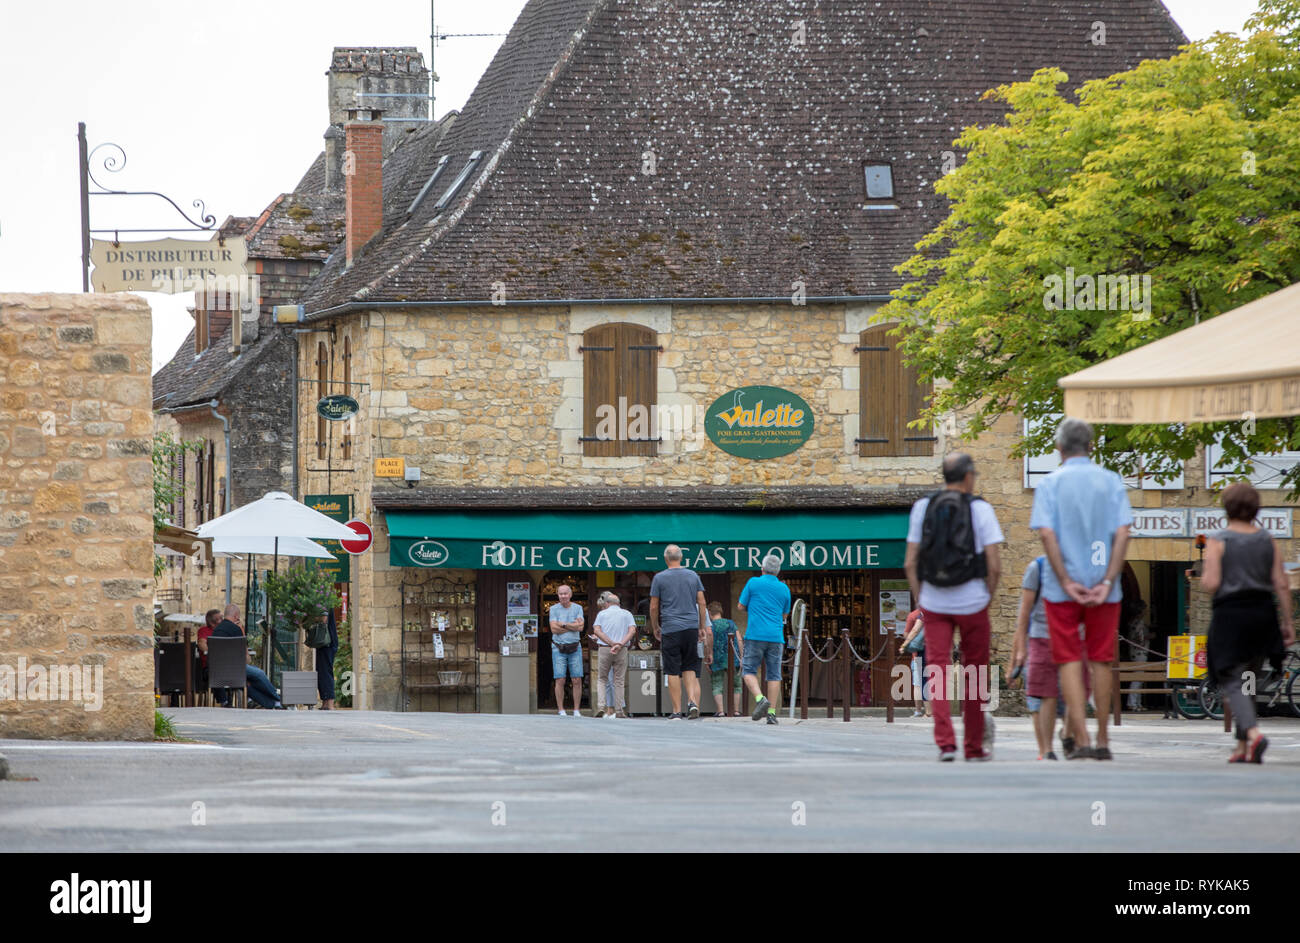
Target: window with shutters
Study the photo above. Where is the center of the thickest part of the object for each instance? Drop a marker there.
(322, 377)
(891, 396)
(620, 391)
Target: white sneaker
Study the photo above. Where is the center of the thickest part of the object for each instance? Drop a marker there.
(608, 716)
(562, 714)
(576, 713)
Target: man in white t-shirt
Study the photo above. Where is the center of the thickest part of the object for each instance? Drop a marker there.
(953, 567)
(615, 627)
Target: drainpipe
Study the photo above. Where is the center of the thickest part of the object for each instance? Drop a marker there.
(230, 494)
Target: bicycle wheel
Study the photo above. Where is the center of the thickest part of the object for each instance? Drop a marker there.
(1211, 699)
(1186, 704)
(1292, 682)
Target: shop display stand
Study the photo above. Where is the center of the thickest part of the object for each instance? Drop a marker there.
(423, 602)
(836, 600)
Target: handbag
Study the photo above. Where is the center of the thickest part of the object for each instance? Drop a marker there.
(917, 645)
(318, 635)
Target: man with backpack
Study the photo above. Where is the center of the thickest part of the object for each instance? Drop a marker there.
(953, 567)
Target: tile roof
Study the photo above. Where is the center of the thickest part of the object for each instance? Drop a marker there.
(298, 226)
(759, 141)
(187, 379)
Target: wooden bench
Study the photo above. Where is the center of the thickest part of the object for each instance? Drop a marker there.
(1133, 672)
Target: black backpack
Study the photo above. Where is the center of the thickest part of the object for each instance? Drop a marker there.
(947, 556)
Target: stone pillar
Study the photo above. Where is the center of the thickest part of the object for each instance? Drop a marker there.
(76, 525)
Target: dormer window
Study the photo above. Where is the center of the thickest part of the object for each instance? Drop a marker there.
(880, 186)
(445, 200)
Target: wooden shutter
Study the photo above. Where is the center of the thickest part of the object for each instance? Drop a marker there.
(347, 389)
(638, 382)
(878, 393)
(600, 367)
(212, 480)
(916, 397)
(322, 372)
(198, 487)
(890, 396)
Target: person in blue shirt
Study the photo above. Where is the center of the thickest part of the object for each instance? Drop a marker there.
(1082, 515)
(767, 601)
(567, 623)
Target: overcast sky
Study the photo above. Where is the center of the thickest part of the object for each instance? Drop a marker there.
(221, 102)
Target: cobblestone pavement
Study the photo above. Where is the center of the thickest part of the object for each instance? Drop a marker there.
(304, 781)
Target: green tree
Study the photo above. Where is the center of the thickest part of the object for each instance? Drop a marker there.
(1182, 169)
(301, 595)
(167, 450)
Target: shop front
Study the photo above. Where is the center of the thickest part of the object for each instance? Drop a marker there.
(503, 567)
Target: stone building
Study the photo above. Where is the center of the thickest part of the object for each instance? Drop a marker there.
(76, 525)
(677, 210)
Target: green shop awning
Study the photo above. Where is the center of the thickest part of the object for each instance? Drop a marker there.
(711, 541)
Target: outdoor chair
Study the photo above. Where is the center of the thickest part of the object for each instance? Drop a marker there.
(171, 669)
(227, 661)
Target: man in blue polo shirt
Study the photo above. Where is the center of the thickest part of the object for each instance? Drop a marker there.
(767, 601)
(1082, 515)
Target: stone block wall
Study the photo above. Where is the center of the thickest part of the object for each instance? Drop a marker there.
(76, 524)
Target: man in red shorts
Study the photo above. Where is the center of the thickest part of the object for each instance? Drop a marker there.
(1082, 515)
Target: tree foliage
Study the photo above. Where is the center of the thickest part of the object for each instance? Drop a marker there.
(167, 451)
(301, 595)
(1182, 169)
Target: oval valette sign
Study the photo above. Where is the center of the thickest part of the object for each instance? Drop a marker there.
(338, 407)
(759, 422)
(428, 553)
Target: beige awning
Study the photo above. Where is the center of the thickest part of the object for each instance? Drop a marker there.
(182, 541)
(1239, 365)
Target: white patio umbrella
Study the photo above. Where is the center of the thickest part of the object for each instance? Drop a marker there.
(288, 546)
(275, 516)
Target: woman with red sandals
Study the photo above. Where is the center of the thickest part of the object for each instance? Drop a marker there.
(1244, 570)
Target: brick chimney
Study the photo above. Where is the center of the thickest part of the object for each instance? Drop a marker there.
(365, 181)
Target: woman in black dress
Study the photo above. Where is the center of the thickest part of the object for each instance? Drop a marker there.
(325, 666)
(1244, 570)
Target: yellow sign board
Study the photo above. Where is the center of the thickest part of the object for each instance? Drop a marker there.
(390, 468)
(1186, 657)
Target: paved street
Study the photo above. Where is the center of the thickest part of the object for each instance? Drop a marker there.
(310, 781)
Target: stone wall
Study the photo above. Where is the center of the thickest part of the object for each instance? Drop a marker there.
(76, 525)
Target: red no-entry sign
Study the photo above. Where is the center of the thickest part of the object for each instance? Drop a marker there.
(365, 537)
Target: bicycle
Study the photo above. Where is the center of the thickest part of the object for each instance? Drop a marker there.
(1273, 686)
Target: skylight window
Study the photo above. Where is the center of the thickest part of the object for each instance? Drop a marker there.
(433, 178)
(880, 182)
(445, 200)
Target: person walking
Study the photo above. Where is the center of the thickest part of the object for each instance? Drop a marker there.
(913, 643)
(614, 629)
(1031, 650)
(1082, 515)
(767, 600)
(566, 648)
(953, 567)
(679, 618)
(724, 636)
(1243, 571)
